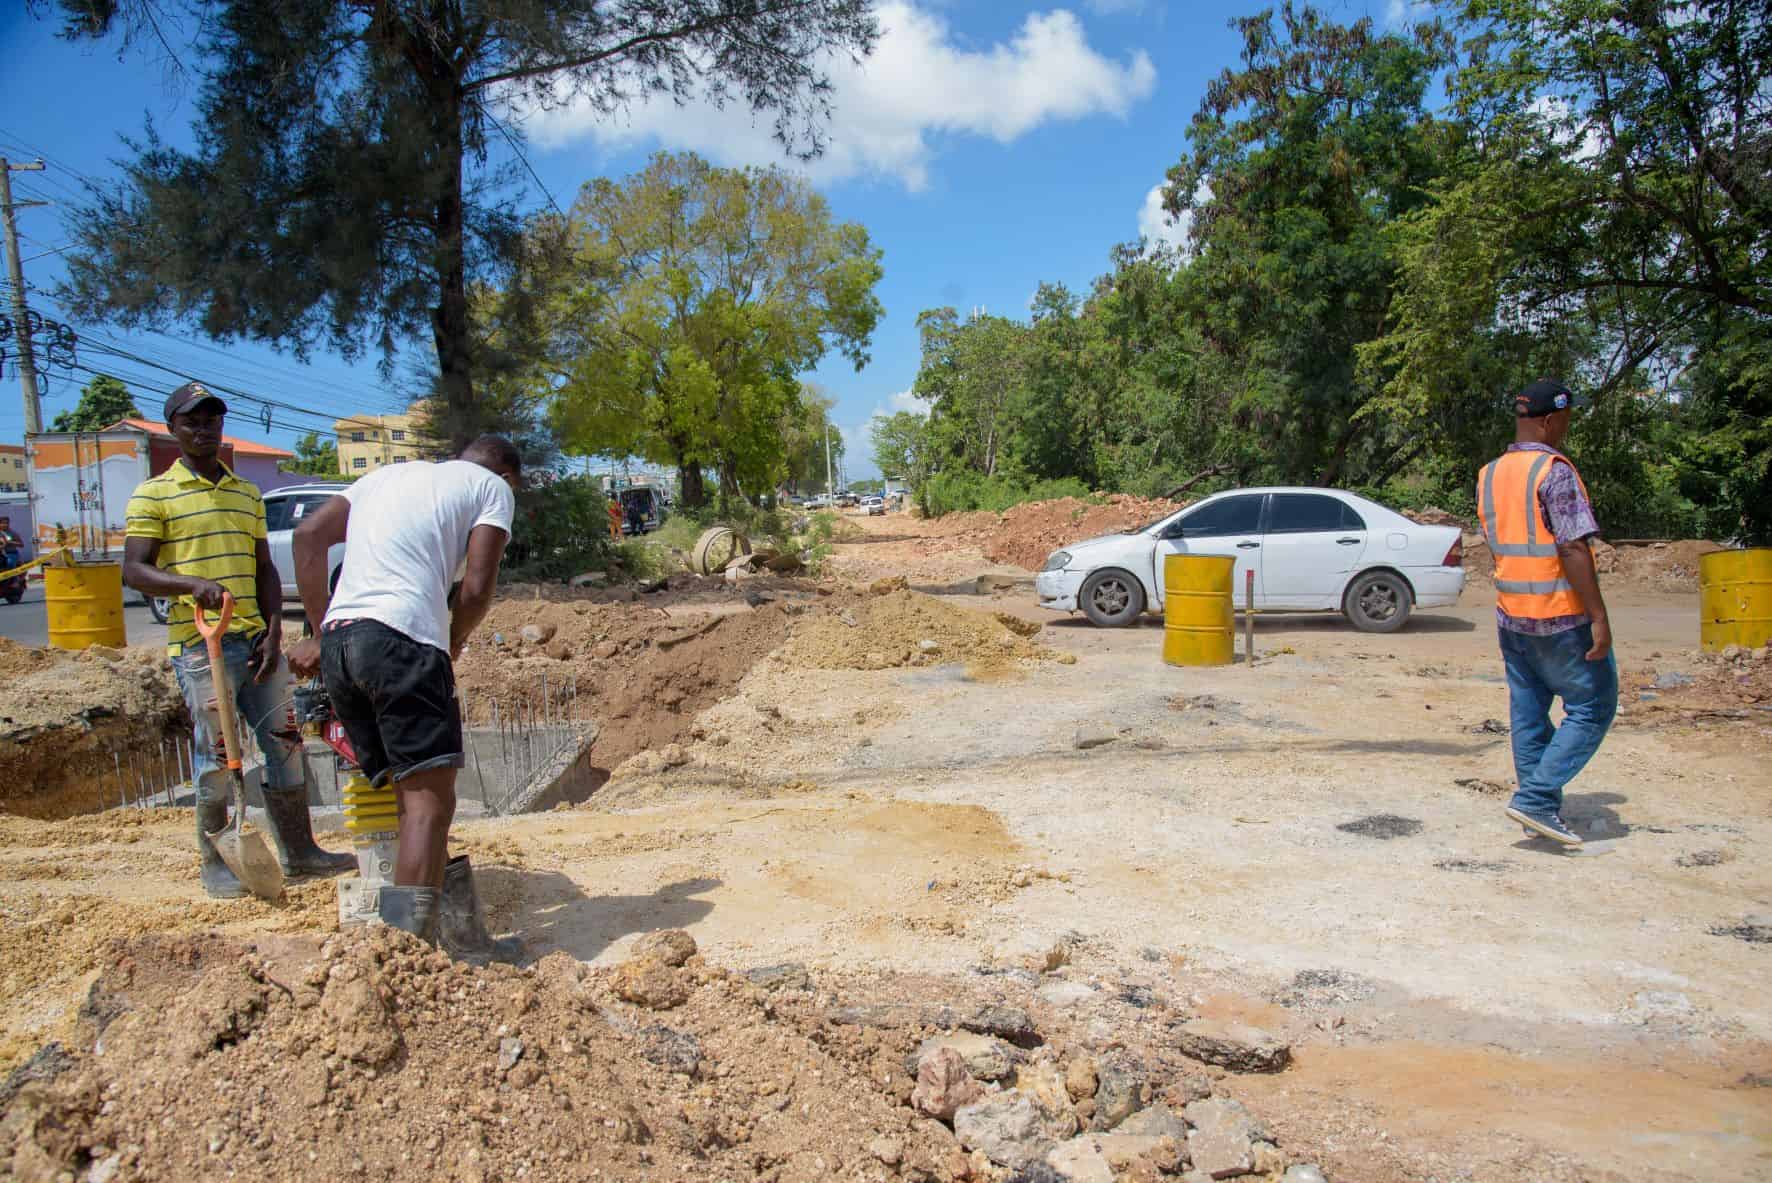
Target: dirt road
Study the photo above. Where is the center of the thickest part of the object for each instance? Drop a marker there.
(1314, 844)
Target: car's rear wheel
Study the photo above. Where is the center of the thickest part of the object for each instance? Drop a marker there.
(1112, 598)
(159, 607)
(1378, 602)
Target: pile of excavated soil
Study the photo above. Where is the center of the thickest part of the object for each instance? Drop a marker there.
(64, 715)
(641, 674)
(1026, 534)
(101, 878)
(1654, 566)
(1701, 689)
(903, 628)
(374, 1056)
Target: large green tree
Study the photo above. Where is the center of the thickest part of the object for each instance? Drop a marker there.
(1300, 158)
(339, 191)
(1608, 218)
(314, 455)
(812, 447)
(901, 447)
(694, 297)
(103, 401)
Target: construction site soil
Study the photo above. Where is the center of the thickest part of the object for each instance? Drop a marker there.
(64, 717)
(1148, 922)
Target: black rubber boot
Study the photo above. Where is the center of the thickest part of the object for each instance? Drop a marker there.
(219, 883)
(461, 927)
(410, 909)
(293, 832)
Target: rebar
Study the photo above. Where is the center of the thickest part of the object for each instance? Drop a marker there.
(117, 765)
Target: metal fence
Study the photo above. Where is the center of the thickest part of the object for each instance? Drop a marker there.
(522, 740)
(519, 740)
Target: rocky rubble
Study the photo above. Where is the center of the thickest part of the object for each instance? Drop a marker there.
(372, 1055)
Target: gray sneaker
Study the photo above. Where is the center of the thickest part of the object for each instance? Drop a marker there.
(1547, 825)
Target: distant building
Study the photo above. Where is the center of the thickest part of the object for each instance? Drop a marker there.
(12, 468)
(368, 442)
(253, 462)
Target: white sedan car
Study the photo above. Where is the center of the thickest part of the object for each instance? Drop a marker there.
(1310, 550)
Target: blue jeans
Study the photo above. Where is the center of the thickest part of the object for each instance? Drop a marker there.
(1540, 669)
(264, 708)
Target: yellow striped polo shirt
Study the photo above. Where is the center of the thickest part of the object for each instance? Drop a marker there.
(210, 531)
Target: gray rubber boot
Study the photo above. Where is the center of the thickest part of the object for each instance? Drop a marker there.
(219, 883)
(293, 832)
(410, 909)
(461, 928)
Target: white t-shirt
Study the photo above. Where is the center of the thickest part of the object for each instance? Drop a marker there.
(408, 534)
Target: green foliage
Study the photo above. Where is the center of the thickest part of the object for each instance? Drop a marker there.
(806, 432)
(951, 492)
(314, 455)
(561, 528)
(339, 193)
(103, 401)
(902, 446)
(694, 296)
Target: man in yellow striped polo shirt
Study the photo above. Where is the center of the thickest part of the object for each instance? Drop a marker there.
(195, 532)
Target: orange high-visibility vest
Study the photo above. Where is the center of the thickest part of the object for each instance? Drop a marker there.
(1529, 579)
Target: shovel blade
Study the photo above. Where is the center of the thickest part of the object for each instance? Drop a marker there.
(250, 858)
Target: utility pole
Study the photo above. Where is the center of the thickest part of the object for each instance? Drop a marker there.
(21, 322)
(828, 486)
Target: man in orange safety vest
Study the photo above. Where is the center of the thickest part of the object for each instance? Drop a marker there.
(1556, 639)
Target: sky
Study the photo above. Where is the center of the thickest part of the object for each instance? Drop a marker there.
(987, 148)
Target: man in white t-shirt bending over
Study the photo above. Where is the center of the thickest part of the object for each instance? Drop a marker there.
(384, 642)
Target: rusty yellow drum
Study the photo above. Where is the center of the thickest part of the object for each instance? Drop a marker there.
(85, 605)
(1735, 599)
(1197, 615)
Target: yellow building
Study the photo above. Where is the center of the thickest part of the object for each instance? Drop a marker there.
(367, 442)
(12, 469)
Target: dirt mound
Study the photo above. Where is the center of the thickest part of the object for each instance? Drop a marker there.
(377, 1057)
(1433, 515)
(1651, 566)
(1703, 689)
(641, 674)
(907, 628)
(52, 939)
(63, 716)
(1025, 535)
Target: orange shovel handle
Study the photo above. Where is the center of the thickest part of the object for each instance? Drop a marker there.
(218, 673)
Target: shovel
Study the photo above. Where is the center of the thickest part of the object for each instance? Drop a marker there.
(246, 855)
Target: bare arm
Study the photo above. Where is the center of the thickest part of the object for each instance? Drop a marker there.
(140, 573)
(313, 538)
(486, 549)
(1578, 568)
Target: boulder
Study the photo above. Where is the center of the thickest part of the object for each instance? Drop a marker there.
(1237, 1046)
(1222, 1142)
(985, 1056)
(1006, 1127)
(1080, 1161)
(672, 946)
(1120, 1092)
(944, 1085)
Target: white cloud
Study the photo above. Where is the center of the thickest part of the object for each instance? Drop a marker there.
(1155, 224)
(919, 83)
(1567, 124)
(1407, 12)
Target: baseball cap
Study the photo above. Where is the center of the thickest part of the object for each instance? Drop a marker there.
(1546, 396)
(187, 397)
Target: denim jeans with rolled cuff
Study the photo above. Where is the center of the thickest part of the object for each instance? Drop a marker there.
(264, 709)
(1541, 669)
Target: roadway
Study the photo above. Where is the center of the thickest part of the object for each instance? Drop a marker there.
(27, 621)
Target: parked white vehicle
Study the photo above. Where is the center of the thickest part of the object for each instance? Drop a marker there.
(284, 510)
(1310, 549)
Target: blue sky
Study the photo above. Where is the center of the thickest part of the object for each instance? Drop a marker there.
(986, 147)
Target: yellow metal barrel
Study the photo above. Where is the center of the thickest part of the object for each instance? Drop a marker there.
(85, 605)
(1735, 599)
(1197, 617)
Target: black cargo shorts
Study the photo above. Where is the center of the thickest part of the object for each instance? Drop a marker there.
(395, 698)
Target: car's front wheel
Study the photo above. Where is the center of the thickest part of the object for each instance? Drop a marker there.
(159, 607)
(1378, 602)
(1112, 598)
